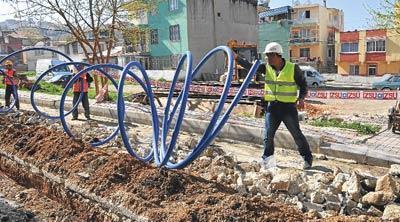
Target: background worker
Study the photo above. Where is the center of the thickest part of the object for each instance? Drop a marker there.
(77, 88)
(10, 81)
(282, 80)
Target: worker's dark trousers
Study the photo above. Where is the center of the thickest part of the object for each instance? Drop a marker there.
(85, 104)
(277, 112)
(9, 92)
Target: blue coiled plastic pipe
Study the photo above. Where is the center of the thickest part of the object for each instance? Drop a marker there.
(161, 152)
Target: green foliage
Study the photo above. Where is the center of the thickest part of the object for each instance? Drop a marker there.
(162, 79)
(50, 88)
(364, 129)
(387, 15)
(29, 73)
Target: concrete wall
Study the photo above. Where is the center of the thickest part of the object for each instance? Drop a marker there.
(277, 31)
(212, 23)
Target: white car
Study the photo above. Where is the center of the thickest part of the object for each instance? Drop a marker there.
(54, 76)
(313, 77)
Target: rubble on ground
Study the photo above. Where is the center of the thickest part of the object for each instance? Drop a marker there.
(215, 186)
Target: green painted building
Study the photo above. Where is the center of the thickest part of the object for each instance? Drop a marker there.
(275, 27)
(168, 33)
(177, 26)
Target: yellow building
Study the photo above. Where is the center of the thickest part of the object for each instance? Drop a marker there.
(368, 52)
(312, 39)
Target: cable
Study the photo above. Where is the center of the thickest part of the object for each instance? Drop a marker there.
(160, 152)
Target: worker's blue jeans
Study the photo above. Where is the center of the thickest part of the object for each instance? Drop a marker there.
(277, 112)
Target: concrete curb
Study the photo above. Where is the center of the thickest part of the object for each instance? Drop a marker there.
(254, 135)
(230, 131)
(361, 154)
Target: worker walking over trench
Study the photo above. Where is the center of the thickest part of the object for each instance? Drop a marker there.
(281, 100)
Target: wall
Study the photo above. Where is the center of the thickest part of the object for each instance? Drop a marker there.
(392, 46)
(212, 23)
(274, 32)
(163, 19)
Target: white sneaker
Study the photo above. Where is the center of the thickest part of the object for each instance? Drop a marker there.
(268, 162)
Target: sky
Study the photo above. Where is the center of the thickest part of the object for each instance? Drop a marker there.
(356, 13)
(6, 12)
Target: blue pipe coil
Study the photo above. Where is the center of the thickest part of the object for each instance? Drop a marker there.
(160, 152)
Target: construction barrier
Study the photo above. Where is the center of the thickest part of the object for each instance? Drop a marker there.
(312, 94)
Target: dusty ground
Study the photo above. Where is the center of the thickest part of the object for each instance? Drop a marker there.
(163, 195)
(160, 195)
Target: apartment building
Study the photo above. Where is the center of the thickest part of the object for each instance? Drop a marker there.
(312, 37)
(368, 52)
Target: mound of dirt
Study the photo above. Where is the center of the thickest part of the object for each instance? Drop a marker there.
(158, 194)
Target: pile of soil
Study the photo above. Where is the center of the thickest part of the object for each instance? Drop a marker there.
(313, 110)
(158, 194)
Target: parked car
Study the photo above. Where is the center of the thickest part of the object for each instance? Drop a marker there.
(313, 77)
(55, 76)
(387, 82)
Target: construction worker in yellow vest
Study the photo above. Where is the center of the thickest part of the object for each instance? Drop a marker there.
(282, 81)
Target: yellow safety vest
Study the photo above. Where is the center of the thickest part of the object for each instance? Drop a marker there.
(280, 88)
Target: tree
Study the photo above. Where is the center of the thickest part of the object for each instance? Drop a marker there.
(90, 22)
(387, 15)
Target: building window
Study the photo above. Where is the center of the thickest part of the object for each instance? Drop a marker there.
(354, 70)
(372, 69)
(174, 34)
(349, 47)
(305, 33)
(154, 36)
(173, 5)
(308, 14)
(305, 52)
(75, 48)
(376, 46)
(66, 49)
(330, 53)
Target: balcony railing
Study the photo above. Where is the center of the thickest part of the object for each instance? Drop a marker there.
(299, 22)
(304, 40)
(331, 40)
(305, 60)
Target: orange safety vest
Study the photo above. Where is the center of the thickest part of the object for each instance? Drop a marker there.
(10, 73)
(77, 84)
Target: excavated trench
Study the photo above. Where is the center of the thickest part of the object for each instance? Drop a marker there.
(110, 185)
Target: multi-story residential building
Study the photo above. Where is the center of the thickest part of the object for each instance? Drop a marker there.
(274, 26)
(368, 52)
(312, 38)
(178, 26)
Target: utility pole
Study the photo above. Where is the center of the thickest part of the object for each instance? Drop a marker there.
(325, 3)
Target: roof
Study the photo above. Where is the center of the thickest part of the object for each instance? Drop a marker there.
(275, 11)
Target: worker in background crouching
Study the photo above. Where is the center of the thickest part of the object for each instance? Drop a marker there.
(282, 80)
(77, 88)
(10, 81)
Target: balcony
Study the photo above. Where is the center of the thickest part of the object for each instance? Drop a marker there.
(331, 40)
(305, 60)
(305, 22)
(304, 40)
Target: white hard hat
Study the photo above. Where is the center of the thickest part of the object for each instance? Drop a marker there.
(273, 47)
